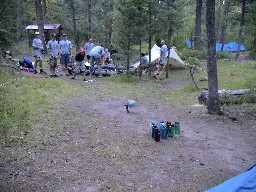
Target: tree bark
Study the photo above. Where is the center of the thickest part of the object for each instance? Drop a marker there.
(150, 37)
(241, 28)
(213, 102)
(40, 22)
(197, 38)
(73, 12)
(45, 8)
(89, 16)
(224, 24)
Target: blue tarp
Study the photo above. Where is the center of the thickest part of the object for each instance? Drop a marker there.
(218, 47)
(232, 47)
(188, 42)
(245, 182)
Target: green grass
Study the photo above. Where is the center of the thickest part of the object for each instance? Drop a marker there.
(233, 75)
(24, 100)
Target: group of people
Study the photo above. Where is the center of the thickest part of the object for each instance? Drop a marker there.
(95, 55)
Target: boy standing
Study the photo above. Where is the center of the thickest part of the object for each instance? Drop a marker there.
(53, 50)
(65, 49)
(38, 46)
(88, 47)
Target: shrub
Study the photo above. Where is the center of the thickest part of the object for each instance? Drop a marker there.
(199, 54)
(224, 55)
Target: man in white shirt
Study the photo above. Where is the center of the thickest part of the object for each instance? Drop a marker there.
(163, 56)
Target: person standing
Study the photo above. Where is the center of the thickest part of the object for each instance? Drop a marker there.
(65, 49)
(37, 53)
(163, 56)
(53, 50)
(80, 63)
(88, 47)
(96, 56)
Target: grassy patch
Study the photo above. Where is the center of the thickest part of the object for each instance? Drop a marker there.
(122, 79)
(24, 100)
(234, 75)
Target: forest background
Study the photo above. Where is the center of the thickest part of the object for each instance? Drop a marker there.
(130, 25)
(46, 124)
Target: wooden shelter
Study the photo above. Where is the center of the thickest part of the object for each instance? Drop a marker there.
(48, 28)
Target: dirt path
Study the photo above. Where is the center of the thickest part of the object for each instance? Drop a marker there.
(92, 144)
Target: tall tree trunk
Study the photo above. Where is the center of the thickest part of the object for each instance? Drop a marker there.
(89, 16)
(213, 102)
(241, 28)
(224, 24)
(40, 21)
(44, 9)
(73, 12)
(110, 29)
(197, 38)
(150, 36)
(168, 48)
(169, 33)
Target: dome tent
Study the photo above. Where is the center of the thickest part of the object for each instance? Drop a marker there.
(245, 182)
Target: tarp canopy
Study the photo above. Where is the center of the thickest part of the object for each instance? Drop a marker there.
(230, 47)
(218, 47)
(233, 46)
(245, 182)
(155, 54)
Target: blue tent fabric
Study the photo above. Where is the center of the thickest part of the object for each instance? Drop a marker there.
(230, 47)
(245, 182)
(218, 47)
(188, 42)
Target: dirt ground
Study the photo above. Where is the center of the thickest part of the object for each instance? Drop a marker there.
(94, 145)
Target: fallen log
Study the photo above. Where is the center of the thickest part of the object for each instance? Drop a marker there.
(229, 96)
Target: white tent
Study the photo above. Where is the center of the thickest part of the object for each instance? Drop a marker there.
(174, 55)
(155, 54)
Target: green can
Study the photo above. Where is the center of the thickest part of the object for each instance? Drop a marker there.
(177, 128)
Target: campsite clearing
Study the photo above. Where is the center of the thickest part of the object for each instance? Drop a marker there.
(86, 141)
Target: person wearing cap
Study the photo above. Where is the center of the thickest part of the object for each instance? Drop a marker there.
(53, 50)
(88, 47)
(96, 56)
(79, 65)
(37, 47)
(163, 56)
(65, 50)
